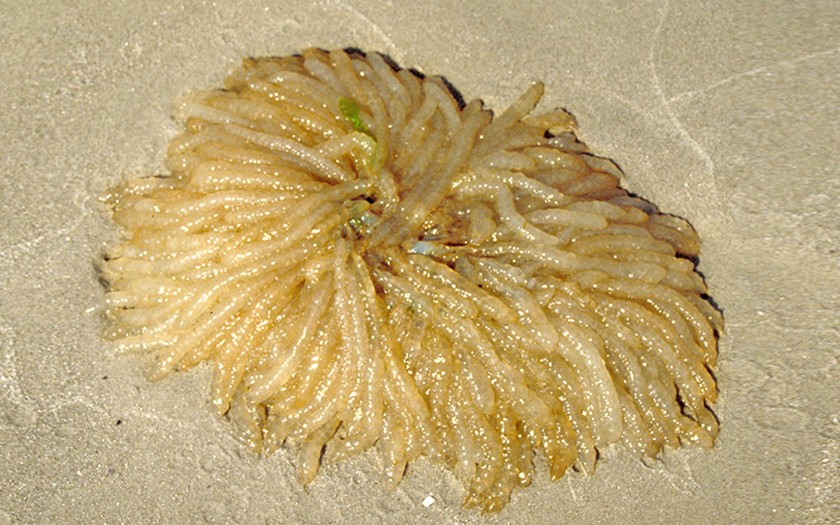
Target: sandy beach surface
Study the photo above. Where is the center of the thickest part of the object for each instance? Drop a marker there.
(725, 113)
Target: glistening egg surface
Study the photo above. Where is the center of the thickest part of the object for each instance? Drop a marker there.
(368, 262)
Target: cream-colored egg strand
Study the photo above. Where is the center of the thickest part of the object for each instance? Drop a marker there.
(369, 263)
